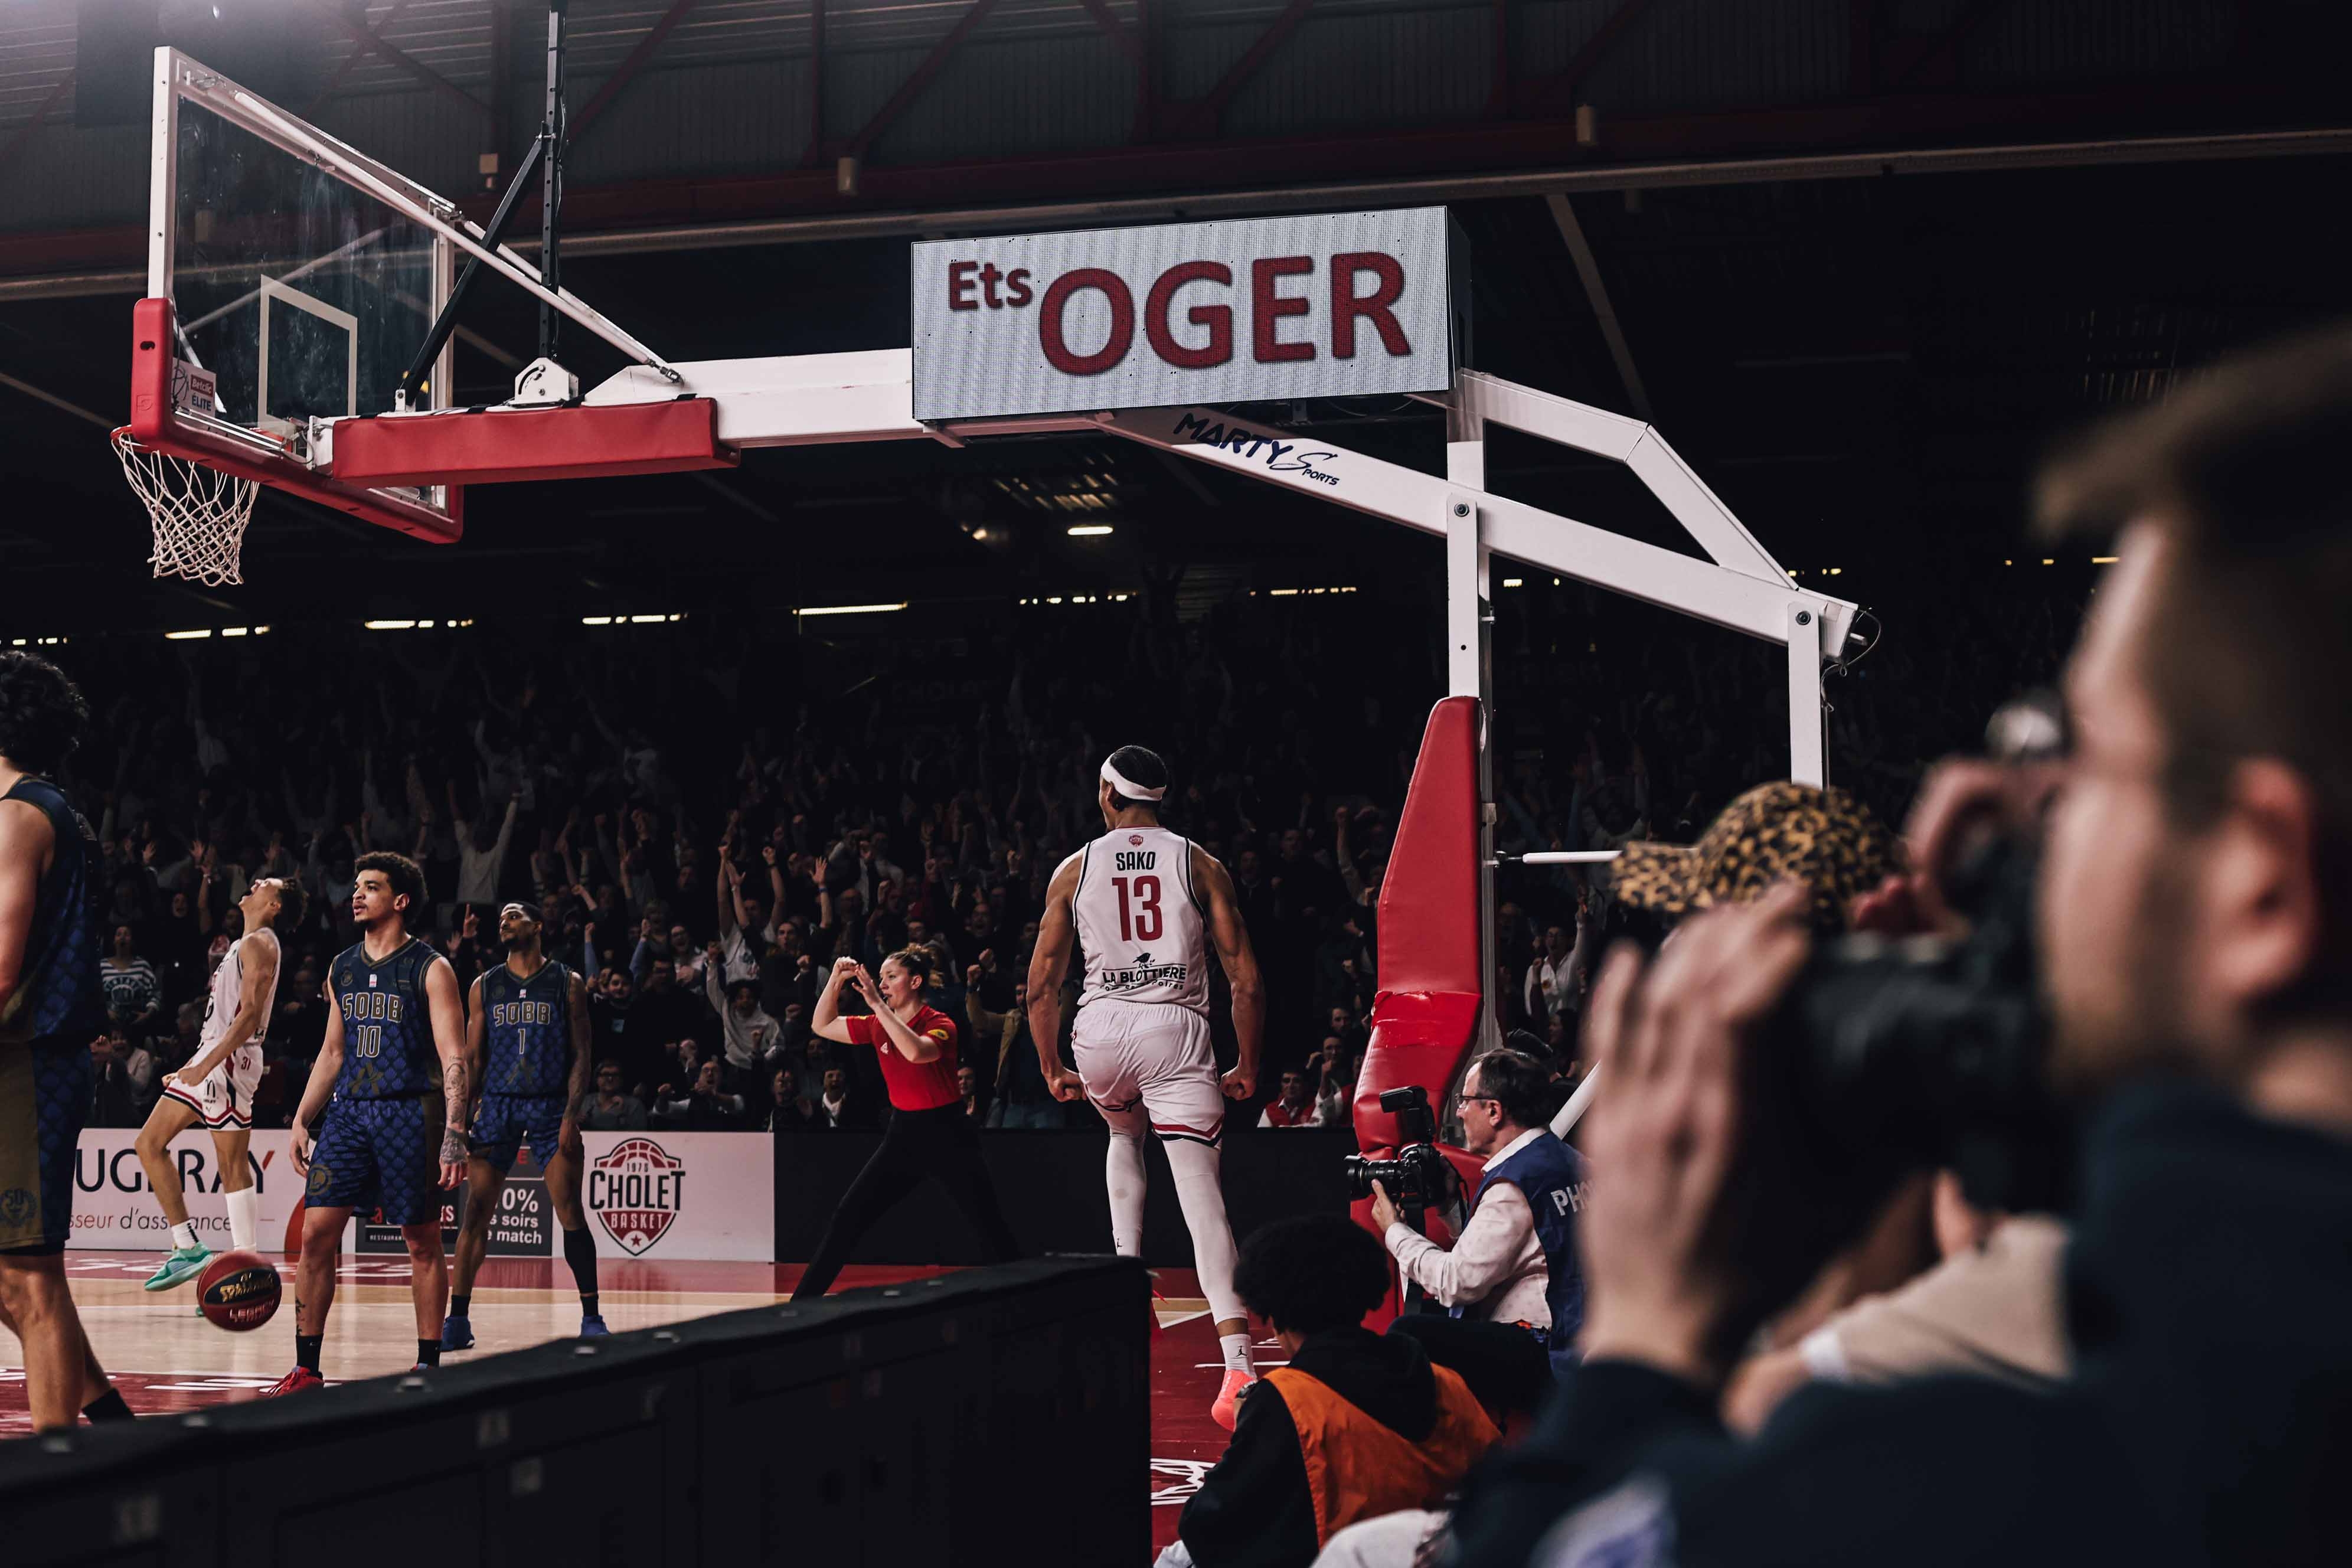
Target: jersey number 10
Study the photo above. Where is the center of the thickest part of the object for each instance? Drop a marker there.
(1142, 923)
(367, 1039)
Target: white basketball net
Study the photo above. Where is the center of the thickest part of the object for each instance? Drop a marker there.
(199, 513)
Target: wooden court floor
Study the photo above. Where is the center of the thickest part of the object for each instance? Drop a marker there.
(164, 1357)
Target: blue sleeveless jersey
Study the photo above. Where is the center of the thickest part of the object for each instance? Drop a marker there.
(58, 993)
(527, 1040)
(1552, 1176)
(387, 1029)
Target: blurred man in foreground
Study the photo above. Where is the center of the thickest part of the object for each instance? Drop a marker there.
(2194, 916)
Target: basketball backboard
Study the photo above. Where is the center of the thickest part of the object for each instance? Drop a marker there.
(289, 279)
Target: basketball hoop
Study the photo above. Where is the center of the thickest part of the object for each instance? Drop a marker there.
(199, 513)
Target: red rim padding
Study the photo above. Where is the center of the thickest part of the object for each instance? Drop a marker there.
(500, 445)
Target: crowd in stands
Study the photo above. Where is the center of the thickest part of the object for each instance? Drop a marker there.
(702, 847)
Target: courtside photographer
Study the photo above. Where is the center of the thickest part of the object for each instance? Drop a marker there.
(1514, 1267)
(2191, 913)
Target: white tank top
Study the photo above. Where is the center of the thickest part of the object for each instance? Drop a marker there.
(1141, 924)
(229, 985)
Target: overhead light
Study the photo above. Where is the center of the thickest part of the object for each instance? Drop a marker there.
(1836, 571)
(855, 609)
(2049, 561)
(260, 631)
(181, 637)
(649, 620)
(596, 620)
(1511, 581)
(19, 642)
(467, 622)
(235, 631)
(1090, 531)
(2104, 560)
(390, 626)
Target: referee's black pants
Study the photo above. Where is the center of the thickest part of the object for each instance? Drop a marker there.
(918, 1144)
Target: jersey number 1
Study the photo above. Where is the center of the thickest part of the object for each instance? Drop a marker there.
(1143, 923)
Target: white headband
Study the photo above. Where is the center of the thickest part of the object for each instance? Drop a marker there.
(1118, 782)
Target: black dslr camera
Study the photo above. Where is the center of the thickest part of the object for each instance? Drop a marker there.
(1891, 1057)
(1416, 1179)
(1927, 1052)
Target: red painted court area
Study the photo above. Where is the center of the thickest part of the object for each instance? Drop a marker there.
(164, 1357)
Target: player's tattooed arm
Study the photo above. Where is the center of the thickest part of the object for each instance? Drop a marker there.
(446, 1008)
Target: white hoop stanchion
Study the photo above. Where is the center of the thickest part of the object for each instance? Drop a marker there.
(198, 513)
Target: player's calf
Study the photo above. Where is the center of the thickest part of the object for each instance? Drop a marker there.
(482, 1182)
(429, 1285)
(188, 1255)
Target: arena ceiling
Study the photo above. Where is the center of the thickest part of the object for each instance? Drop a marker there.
(1861, 259)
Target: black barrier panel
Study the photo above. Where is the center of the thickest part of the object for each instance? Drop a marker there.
(877, 1426)
(1051, 1186)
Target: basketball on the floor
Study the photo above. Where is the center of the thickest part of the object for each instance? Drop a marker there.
(238, 1291)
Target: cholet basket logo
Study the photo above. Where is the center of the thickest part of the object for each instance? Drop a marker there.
(636, 1192)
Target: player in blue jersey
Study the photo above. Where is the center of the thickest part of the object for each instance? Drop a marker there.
(50, 1009)
(526, 1049)
(394, 1132)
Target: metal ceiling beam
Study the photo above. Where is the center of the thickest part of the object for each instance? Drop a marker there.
(1544, 91)
(24, 133)
(1940, 55)
(1588, 268)
(1207, 113)
(1108, 20)
(816, 78)
(54, 400)
(626, 71)
(920, 80)
(96, 262)
(356, 28)
(360, 50)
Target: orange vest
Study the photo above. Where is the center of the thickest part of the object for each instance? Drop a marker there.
(1358, 1469)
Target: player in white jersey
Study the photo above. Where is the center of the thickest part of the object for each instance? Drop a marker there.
(216, 1086)
(1145, 905)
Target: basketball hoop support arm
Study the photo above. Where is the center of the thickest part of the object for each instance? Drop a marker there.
(446, 323)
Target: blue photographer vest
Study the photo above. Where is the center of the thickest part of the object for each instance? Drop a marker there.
(1552, 1176)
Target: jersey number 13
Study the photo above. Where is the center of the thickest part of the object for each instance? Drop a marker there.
(1139, 916)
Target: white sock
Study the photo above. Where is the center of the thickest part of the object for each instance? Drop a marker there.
(183, 1235)
(1237, 1353)
(1123, 1173)
(244, 1218)
(1203, 1202)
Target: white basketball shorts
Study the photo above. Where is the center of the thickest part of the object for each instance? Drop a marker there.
(223, 1100)
(1150, 1063)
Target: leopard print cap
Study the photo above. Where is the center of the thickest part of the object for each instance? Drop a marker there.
(1823, 838)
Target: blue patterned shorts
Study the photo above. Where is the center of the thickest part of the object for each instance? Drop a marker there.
(380, 1154)
(503, 1122)
(45, 1090)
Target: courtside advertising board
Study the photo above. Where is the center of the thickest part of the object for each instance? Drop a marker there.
(1337, 305)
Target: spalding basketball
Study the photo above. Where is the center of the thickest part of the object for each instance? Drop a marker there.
(238, 1290)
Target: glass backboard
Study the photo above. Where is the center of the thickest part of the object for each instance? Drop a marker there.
(297, 289)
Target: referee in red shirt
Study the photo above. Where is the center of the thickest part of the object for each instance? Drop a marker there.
(928, 1133)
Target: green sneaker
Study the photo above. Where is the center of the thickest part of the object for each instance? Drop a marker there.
(179, 1265)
